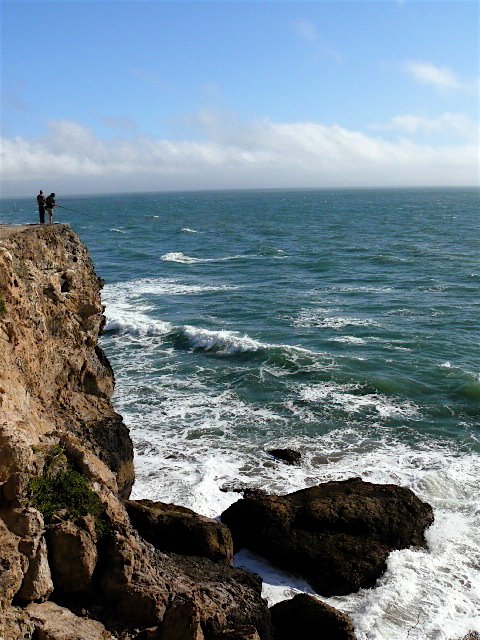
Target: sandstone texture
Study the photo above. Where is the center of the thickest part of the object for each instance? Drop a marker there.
(337, 535)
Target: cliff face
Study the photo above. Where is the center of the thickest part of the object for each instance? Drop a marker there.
(71, 563)
(54, 374)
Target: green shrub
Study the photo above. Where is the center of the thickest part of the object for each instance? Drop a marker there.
(65, 492)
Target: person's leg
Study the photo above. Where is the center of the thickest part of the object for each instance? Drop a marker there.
(50, 215)
(41, 211)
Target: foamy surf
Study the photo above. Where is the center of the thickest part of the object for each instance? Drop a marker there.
(433, 593)
(182, 258)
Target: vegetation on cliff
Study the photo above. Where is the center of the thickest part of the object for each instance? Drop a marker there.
(64, 493)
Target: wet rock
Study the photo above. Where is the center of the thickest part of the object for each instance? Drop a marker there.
(290, 456)
(308, 618)
(337, 535)
(172, 528)
(110, 440)
(246, 632)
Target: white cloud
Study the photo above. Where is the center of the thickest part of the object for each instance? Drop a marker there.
(447, 123)
(441, 78)
(258, 154)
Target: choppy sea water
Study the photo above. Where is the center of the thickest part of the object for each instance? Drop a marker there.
(342, 323)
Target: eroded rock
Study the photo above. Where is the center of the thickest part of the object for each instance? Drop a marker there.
(337, 535)
(53, 622)
(172, 528)
(73, 557)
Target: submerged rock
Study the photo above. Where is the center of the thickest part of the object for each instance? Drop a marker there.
(290, 456)
(337, 535)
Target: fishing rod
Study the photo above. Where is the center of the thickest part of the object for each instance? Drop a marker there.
(73, 210)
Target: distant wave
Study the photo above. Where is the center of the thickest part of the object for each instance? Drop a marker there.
(134, 289)
(221, 342)
(118, 230)
(178, 256)
(187, 230)
(182, 258)
(315, 318)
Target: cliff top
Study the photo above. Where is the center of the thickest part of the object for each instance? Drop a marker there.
(7, 230)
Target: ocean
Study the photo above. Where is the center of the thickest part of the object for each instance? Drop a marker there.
(341, 323)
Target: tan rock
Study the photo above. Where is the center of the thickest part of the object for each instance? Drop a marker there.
(73, 557)
(53, 622)
(130, 583)
(53, 374)
(15, 624)
(37, 584)
(23, 521)
(182, 621)
(12, 566)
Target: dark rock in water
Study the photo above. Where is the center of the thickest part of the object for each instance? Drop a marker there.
(337, 535)
(290, 456)
(180, 530)
(308, 618)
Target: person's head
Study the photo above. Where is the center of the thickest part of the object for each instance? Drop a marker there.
(41, 192)
(52, 194)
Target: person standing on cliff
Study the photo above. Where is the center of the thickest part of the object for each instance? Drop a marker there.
(41, 206)
(50, 204)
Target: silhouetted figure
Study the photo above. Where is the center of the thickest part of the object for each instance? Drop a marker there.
(50, 203)
(41, 206)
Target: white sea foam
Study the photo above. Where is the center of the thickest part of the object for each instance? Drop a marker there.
(354, 340)
(223, 341)
(192, 443)
(187, 230)
(341, 396)
(134, 289)
(118, 230)
(182, 258)
(310, 318)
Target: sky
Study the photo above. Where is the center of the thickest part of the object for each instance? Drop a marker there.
(103, 96)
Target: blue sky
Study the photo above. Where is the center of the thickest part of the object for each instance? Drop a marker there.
(123, 95)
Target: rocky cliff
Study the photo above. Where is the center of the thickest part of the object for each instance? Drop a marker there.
(78, 560)
(71, 563)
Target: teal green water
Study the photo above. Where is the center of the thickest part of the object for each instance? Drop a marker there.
(344, 323)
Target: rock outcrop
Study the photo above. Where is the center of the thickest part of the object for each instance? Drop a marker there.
(72, 566)
(337, 535)
(172, 528)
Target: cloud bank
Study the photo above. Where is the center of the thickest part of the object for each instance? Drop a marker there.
(233, 154)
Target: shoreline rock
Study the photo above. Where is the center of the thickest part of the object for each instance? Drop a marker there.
(337, 535)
